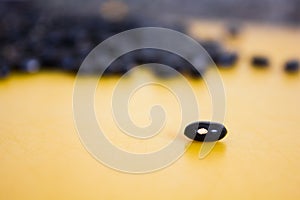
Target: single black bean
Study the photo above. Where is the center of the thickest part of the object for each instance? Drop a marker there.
(292, 66)
(205, 131)
(260, 61)
(4, 70)
(226, 59)
(30, 65)
(233, 29)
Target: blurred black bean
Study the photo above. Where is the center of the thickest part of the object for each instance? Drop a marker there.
(233, 29)
(31, 40)
(69, 63)
(4, 70)
(213, 48)
(50, 57)
(292, 66)
(30, 65)
(227, 59)
(260, 61)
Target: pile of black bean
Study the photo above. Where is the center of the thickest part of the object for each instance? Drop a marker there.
(32, 41)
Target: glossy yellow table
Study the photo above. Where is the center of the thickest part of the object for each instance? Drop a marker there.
(41, 156)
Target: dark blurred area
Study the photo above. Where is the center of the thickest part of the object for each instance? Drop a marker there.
(58, 34)
(270, 11)
(275, 11)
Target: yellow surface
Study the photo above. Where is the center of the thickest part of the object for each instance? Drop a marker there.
(41, 156)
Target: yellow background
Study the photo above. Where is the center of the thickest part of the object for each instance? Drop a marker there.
(41, 156)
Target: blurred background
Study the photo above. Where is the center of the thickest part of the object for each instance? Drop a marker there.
(70, 29)
(265, 11)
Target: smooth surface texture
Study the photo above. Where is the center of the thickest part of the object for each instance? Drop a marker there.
(41, 156)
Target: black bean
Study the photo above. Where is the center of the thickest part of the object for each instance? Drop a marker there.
(50, 57)
(227, 59)
(260, 61)
(205, 131)
(4, 70)
(30, 65)
(30, 39)
(70, 64)
(213, 48)
(233, 29)
(292, 66)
